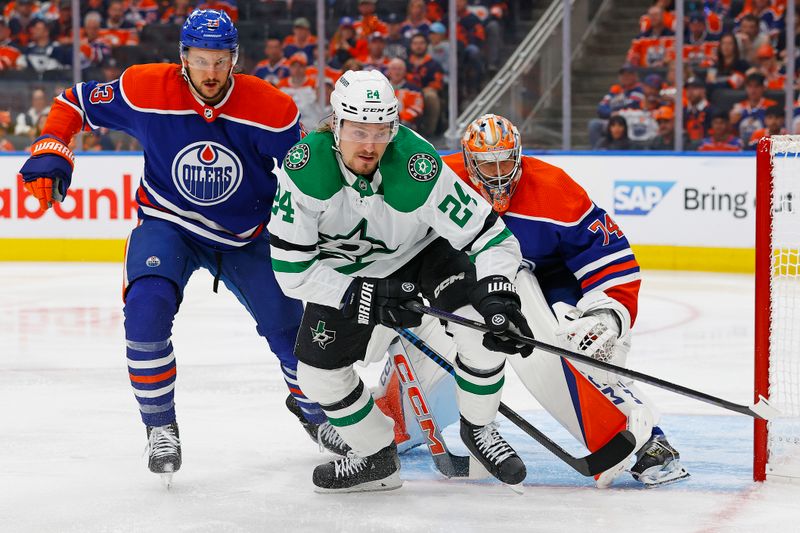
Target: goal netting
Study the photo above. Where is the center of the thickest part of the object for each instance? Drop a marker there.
(777, 317)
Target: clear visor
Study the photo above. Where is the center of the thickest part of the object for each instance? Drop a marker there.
(220, 64)
(367, 133)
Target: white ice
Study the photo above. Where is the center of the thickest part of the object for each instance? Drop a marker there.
(71, 439)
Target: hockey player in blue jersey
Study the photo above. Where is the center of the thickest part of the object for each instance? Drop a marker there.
(212, 141)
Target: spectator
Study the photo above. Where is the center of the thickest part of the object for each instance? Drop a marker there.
(303, 89)
(668, 16)
(748, 115)
(368, 23)
(651, 47)
(768, 66)
(177, 13)
(145, 11)
(345, 45)
(615, 136)
(273, 67)
(409, 97)
(774, 120)
(698, 111)
(665, 138)
(427, 74)
(330, 74)
(699, 49)
(61, 25)
(652, 87)
(628, 94)
(493, 24)
(439, 48)
(5, 144)
(729, 69)
(376, 56)
(228, 7)
(471, 36)
(416, 21)
(117, 30)
(750, 38)
(9, 54)
(94, 48)
(770, 22)
(19, 22)
(720, 138)
(42, 54)
(26, 122)
(396, 42)
(301, 40)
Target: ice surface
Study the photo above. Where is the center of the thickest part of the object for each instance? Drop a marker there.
(71, 439)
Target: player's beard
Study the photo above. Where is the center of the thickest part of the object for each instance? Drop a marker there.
(210, 94)
(361, 165)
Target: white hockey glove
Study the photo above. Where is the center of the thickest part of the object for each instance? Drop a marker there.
(598, 327)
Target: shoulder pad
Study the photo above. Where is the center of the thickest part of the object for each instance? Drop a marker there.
(410, 168)
(312, 166)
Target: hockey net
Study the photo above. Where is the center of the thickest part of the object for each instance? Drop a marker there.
(777, 317)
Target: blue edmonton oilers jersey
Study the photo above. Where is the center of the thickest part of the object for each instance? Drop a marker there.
(208, 169)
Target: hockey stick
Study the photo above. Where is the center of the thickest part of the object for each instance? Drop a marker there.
(762, 409)
(613, 452)
(448, 464)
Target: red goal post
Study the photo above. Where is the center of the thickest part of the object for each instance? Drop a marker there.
(777, 307)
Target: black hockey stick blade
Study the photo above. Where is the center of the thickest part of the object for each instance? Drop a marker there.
(761, 410)
(613, 452)
(619, 448)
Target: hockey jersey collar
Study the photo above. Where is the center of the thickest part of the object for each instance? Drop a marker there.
(360, 184)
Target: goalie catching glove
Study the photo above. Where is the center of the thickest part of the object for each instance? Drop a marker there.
(380, 301)
(496, 299)
(48, 171)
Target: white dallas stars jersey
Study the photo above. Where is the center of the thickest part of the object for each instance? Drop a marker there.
(329, 224)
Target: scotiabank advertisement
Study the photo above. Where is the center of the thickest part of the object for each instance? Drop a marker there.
(660, 200)
(99, 205)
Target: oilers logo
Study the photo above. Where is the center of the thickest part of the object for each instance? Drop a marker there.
(206, 173)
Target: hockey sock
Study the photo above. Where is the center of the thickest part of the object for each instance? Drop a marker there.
(311, 410)
(478, 392)
(150, 307)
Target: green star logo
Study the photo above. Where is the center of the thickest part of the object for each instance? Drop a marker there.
(422, 167)
(355, 246)
(297, 157)
(322, 336)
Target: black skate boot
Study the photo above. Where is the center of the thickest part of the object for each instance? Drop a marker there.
(323, 434)
(380, 471)
(487, 446)
(164, 451)
(658, 463)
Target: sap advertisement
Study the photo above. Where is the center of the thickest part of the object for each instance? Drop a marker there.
(672, 200)
(657, 200)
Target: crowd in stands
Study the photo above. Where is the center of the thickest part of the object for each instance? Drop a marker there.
(734, 75)
(408, 43)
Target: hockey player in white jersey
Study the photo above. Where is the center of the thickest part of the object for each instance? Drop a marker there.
(367, 218)
(579, 289)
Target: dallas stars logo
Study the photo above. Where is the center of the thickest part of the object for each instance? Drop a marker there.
(354, 246)
(297, 157)
(322, 336)
(422, 167)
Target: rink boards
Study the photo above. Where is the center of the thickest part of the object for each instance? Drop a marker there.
(683, 212)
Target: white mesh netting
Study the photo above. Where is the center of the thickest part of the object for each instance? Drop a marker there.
(784, 368)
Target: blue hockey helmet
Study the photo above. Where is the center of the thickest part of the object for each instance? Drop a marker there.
(208, 28)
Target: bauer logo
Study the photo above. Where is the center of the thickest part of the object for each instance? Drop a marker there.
(639, 197)
(206, 173)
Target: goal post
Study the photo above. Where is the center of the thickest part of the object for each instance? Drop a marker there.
(777, 307)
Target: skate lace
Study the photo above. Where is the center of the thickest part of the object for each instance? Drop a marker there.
(328, 437)
(352, 464)
(162, 442)
(493, 446)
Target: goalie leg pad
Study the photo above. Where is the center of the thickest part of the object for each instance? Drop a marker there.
(349, 407)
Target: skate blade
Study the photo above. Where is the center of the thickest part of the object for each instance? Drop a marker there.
(391, 482)
(670, 473)
(518, 488)
(166, 476)
(604, 480)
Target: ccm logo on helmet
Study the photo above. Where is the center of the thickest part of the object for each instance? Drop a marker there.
(206, 173)
(373, 110)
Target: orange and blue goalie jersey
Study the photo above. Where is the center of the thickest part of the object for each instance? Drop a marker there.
(574, 245)
(208, 169)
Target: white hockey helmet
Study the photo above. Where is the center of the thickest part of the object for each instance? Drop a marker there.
(364, 97)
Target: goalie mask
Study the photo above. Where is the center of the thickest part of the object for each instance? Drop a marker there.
(493, 157)
(365, 97)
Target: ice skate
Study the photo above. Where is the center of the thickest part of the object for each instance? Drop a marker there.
(164, 451)
(380, 471)
(325, 435)
(658, 463)
(487, 446)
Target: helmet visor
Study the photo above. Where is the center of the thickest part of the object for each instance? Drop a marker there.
(209, 60)
(367, 133)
